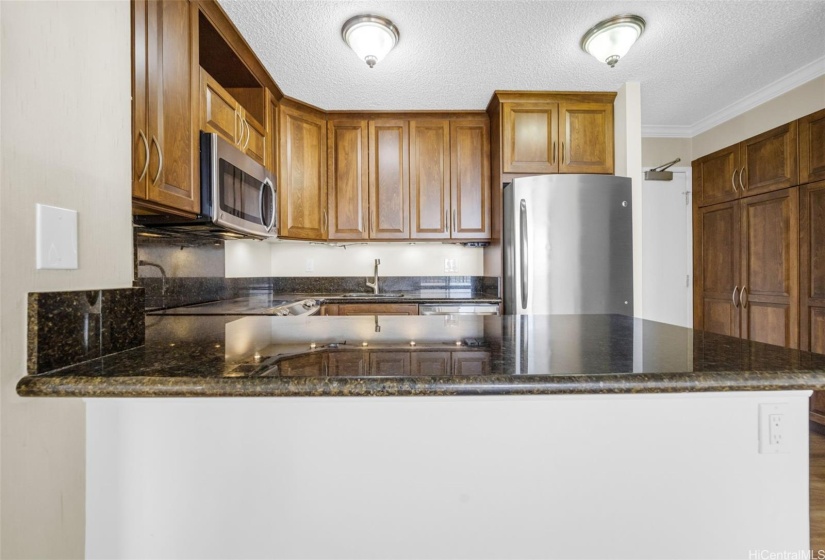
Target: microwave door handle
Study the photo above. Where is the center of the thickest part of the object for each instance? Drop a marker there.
(271, 224)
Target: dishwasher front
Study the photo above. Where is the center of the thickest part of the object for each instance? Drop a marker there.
(459, 309)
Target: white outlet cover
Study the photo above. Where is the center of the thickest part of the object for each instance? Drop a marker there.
(56, 238)
(310, 266)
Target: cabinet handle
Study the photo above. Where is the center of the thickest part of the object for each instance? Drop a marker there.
(455, 226)
(733, 180)
(364, 221)
(248, 134)
(325, 220)
(446, 220)
(735, 302)
(563, 154)
(239, 121)
(372, 221)
(744, 297)
(554, 152)
(740, 179)
(160, 159)
(146, 151)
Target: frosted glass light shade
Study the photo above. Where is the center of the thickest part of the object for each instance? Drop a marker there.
(371, 37)
(610, 39)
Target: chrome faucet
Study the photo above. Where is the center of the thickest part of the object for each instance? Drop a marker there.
(374, 284)
(162, 280)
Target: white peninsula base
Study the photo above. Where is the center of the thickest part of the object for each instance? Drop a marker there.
(575, 476)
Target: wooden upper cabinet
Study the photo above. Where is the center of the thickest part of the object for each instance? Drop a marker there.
(812, 267)
(470, 179)
(219, 110)
(718, 172)
(812, 147)
(389, 175)
(768, 161)
(271, 159)
(165, 119)
(716, 269)
(348, 179)
(586, 137)
(430, 179)
(530, 137)
(770, 265)
(303, 177)
(255, 143)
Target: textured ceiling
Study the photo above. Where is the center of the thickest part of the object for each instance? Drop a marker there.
(694, 58)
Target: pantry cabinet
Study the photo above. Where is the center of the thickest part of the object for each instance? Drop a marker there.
(165, 143)
(812, 267)
(303, 177)
(812, 147)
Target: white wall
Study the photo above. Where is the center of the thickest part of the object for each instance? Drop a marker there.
(628, 151)
(572, 476)
(65, 110)
(289, 258)
(659, 151)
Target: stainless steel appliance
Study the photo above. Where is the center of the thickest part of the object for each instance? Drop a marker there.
(238, 197)
(253, 305)
(458, 309)
(568, 245)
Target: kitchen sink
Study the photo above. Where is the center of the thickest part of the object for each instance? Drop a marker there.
(360, 295)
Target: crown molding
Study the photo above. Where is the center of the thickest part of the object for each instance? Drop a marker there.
(798, 77)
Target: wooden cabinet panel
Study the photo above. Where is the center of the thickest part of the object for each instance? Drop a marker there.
(770, 265)
(349, 364)
(587, 137)
(303, 191)
(768, 161)
(166, 125)
(530, 137)
(470, 179)
(718, 173)
(377, 309)
(427, 363)
(271, 160)
(716, 268)
(389, 175)
(812, 267)
(471, 363)
(304, 365)
(818, 407)
(390, 363)
(255, 142)
(430, 179)
(812, 147)
(219, 111)
(348, 179)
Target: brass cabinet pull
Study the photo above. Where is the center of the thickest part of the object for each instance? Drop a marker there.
(239, 121)
(733, 180)
(146, 151)
(446, 220)
(740, 179)
(325, 220)
(554, 152)
(160, 159)
(735, 302)
(372, 221)
(563, 155)
(455, 223)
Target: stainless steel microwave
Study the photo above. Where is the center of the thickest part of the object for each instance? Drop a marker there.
(238, 196)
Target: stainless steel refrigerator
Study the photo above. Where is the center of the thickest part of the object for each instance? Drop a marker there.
(568, 245)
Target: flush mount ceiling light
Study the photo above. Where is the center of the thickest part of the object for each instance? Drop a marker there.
(609, 40)
(371, 37)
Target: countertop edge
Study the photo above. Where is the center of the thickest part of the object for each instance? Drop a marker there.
(145, 386)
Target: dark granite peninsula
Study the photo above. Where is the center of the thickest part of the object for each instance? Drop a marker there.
(459, 437)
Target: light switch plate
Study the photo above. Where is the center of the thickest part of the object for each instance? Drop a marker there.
(56, 238)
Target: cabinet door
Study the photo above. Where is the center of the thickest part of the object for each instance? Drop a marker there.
(587, 138)
(719, 172)
(305, 365)
(471, 363)
(303, 188)
(219, 111)
(470, 179)
(427, 363)
(389, 176)
(377, 309)
(271, 162)
(430, 179)
(716, 269)
(172, 82)
(348, 364)
(530, 137)
(769, 161)
(390, 363)
(348, 179)
(255, 141)
(770, 253)
(812, 267)
(140, 132)
(812, 147)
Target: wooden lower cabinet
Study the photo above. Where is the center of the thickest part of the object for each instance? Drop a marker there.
(431, 363)
(349, 309)
(389, 363)
(716, 269)
(471, 363)
(348, 363)
(304, 365)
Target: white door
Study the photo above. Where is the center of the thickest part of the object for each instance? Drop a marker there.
(667, 260)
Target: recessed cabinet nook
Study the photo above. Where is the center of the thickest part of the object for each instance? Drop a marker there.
(759, 239)
(341, 176)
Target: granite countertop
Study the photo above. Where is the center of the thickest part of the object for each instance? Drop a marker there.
(451, 355)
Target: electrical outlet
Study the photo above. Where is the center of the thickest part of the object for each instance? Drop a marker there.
(450, 265)
(772, 428)
(56, 238)
(310, 266)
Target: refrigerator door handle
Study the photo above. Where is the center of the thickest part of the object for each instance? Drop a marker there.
(523, 251)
